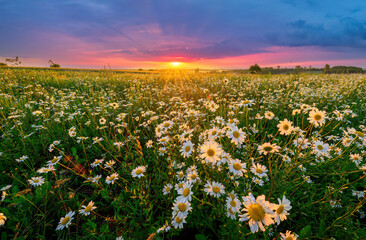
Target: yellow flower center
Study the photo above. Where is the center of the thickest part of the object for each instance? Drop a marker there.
(178, 220)
(245, 102)
(213, 132)
(360, 134)
(268, 148)
(167, 189)
(180, 185)
(232, 196)
(233, 203)
(256, 212)
(187, 148)
(289, 238)
(317, 117)
(166, 124)
(216, 189)
(237, 166)
(193, 176)
(210, 152)
(182, 207)
(138, 171)
(111, 178)
(180, 174)
(286, 127)
(54, 160)
(65, 220)
(186, 192)
(36, 180)
(258, 170)
(280, 209)
(236, 134)
(88, 208)
(320, 147)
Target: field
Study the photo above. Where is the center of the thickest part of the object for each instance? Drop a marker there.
(175, 155)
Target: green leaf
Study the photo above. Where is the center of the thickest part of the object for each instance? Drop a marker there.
(200, 237)
(4, 236)
(305, 232)
(74, 152)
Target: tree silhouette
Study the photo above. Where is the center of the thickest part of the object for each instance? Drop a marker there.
(255, 69)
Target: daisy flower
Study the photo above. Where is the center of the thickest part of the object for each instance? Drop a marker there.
(224, 158)
(321, 148)
(181, 208)
(266, 148)
(2, 219)
(87, 209)
(110, 179)
(301, 142)
(269, 115)
(167, 125)
(237, 167)
(165, 228)
(22, 158)
(215, 189)
(180, 175)
(102, 121)
(233, 205)
(236, 135)
(185, 191)
(285, 127)
(163, 141)
(193, 177)
(138, 172)
(317, 117)
(6, 188)
(211, 151)
(282, 209)
(258, 181)
(258, 212)
(187, 149)
(72, 132)
(95, 179)
(259, 170)
(288, 236)
(359, 194)
(54, 160)
(167, 189)
(97, 162)
(36, 181)
(65, 221)
(178, 222)
(356, 158)
(109, 164)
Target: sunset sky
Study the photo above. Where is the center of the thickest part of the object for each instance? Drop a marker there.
(199, 33)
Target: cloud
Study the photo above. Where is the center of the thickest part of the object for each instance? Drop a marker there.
(146, 30)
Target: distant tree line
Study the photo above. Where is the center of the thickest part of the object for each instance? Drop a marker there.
(256, 69)
(342, 69)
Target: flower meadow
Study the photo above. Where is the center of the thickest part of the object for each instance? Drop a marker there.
(176, 155)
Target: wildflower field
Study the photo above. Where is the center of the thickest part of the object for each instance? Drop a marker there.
(175, 155)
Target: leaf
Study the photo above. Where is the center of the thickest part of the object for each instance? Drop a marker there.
(305, 232)
(200, 237)
(74, 152)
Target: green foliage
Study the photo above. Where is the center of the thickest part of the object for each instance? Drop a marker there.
(255, 69)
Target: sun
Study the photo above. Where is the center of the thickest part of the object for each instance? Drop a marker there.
(175, 64)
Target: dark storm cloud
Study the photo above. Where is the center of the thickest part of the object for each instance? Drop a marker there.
(189, 28)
